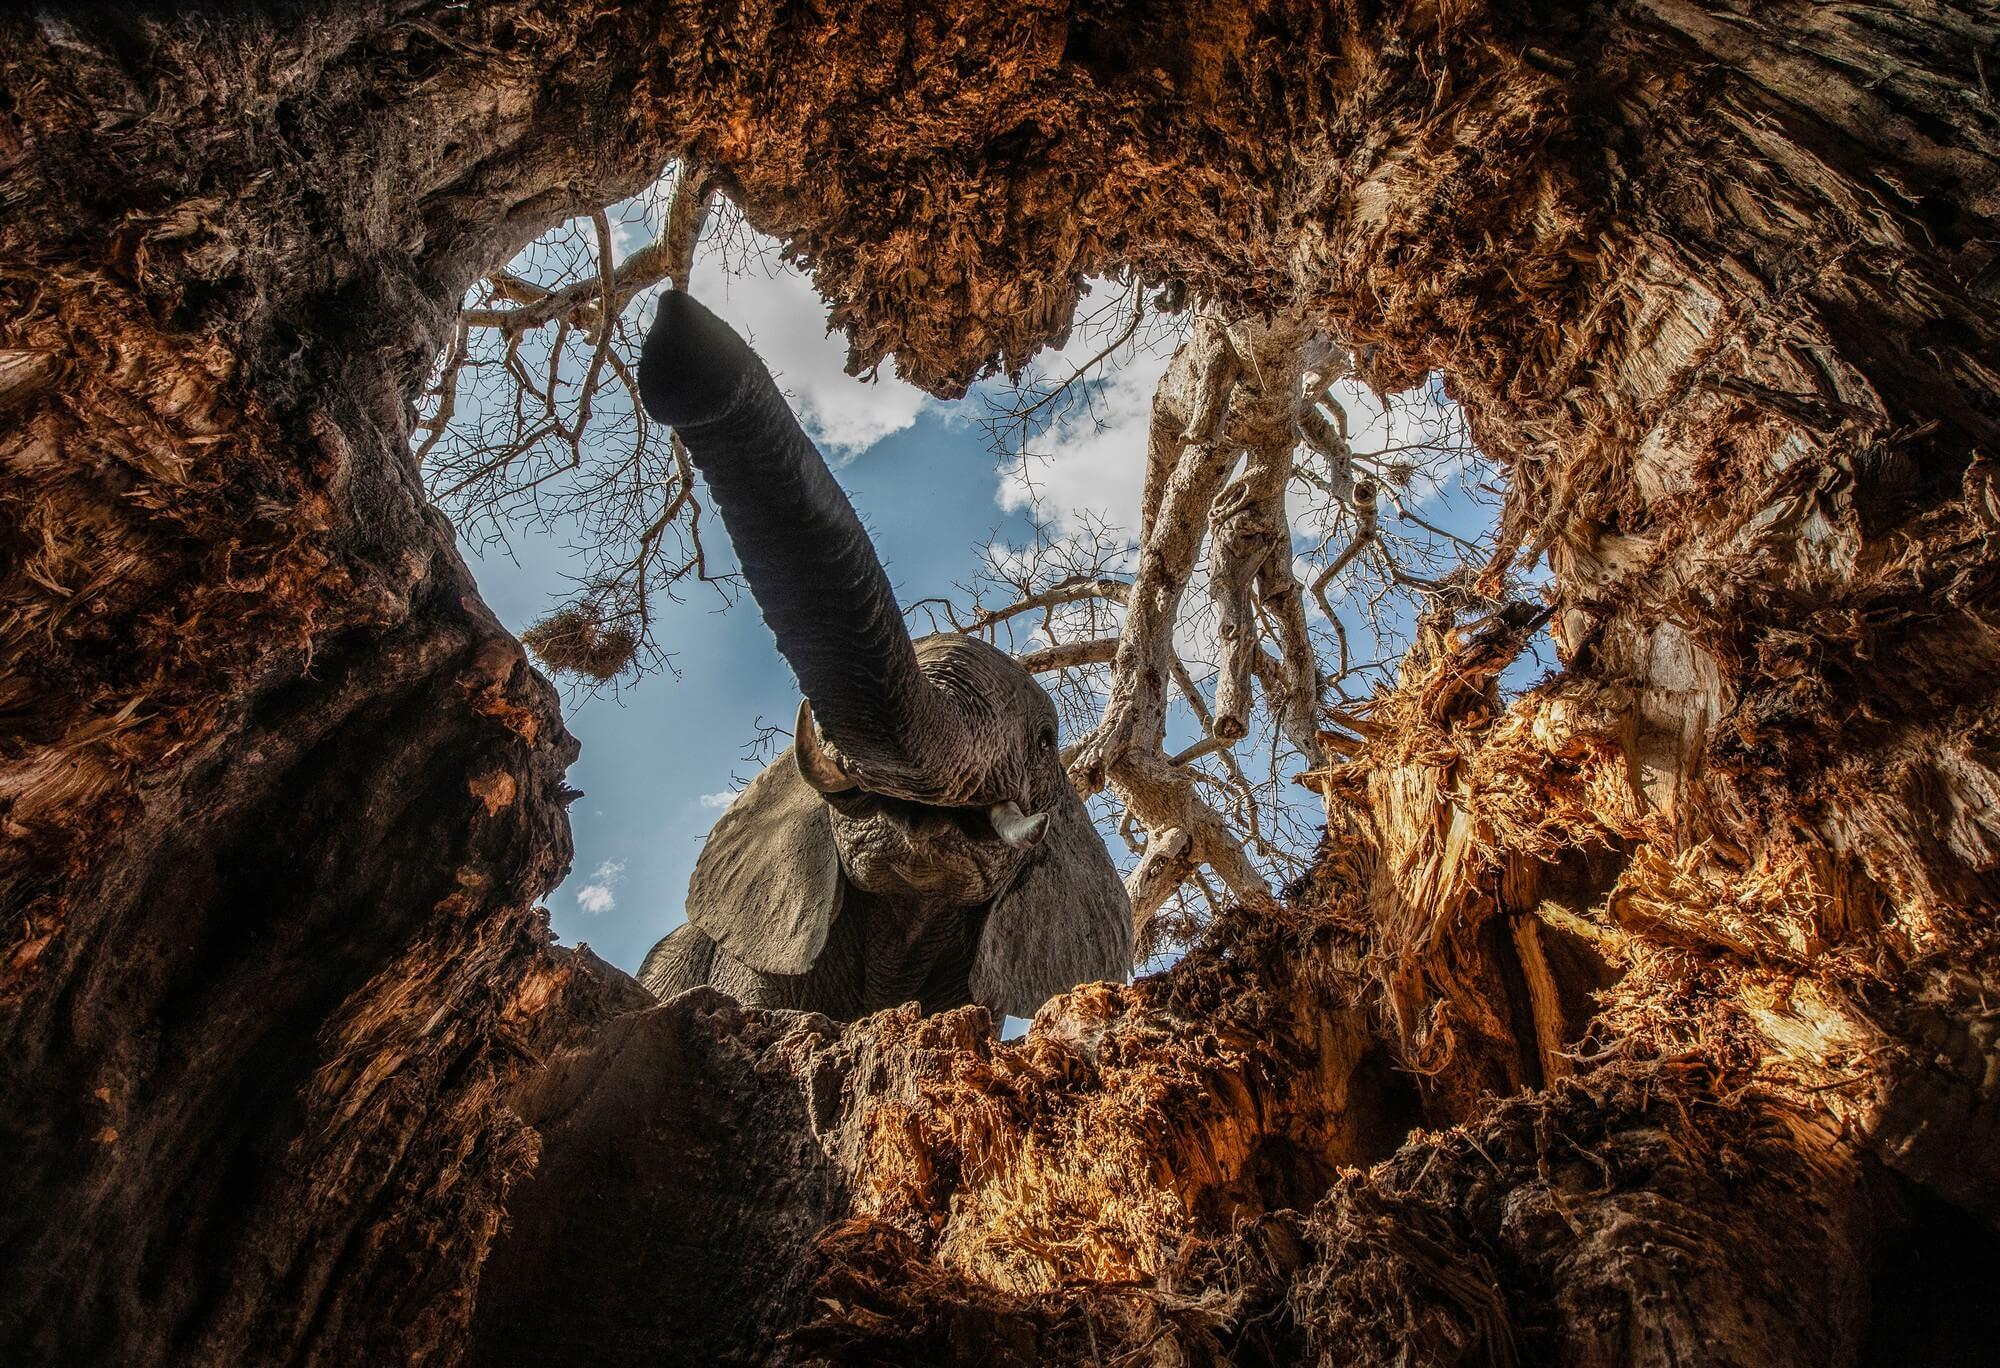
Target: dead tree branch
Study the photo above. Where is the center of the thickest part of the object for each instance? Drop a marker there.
(1244, 414)
(532, 419)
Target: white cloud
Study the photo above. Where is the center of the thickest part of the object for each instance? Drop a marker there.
(786, 322)
(718, 800)
(629, 232)
(1094, 462)
(597, 896)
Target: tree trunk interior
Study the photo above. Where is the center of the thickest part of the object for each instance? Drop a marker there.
(1646, 1019)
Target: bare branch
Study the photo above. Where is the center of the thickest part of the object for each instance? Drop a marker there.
(1135, 716)
(1364, 537)
(1258, 390)
(1071, 655)
(1073, 590)
(528, 424)
(1249, 527)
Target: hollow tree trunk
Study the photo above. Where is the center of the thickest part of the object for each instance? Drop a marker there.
(282, 1033)
(280, 791)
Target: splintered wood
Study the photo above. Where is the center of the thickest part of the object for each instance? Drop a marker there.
(293, 1073)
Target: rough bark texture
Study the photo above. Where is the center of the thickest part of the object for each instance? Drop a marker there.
(681, 1181)
(280, 792)
(282, 1032)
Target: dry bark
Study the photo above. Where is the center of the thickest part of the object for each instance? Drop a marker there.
(1716, 281)
(280, 792)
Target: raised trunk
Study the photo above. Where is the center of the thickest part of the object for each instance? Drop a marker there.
(807, 558)
(1716, 280)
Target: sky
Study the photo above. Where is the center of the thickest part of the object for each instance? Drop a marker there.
(662, 757)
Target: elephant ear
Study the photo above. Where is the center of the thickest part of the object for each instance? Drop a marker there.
(1065, 920)
(767, 885)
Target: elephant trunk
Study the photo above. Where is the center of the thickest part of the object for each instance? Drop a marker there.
(807, 559)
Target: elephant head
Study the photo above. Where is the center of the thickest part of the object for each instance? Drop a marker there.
(923, 774)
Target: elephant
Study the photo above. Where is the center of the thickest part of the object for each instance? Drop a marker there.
(919, 840)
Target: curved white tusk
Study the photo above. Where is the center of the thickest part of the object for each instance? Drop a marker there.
(1016, 828)
(816, 767)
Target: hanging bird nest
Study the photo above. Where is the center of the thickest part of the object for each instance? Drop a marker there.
(581, 640)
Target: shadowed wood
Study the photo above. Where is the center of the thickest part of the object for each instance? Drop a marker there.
(1714, 280)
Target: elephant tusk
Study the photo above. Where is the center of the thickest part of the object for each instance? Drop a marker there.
(1016, 828)
(816, 767)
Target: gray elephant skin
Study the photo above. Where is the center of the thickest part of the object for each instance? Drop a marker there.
(919, 840)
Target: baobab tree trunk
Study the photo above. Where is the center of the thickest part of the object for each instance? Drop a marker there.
(280, 791)
(283, 1035)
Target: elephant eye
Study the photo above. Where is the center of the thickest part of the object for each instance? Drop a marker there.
(1047, 738)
